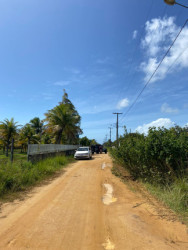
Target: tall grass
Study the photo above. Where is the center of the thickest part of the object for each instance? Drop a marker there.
(175, 196)
(20, 175)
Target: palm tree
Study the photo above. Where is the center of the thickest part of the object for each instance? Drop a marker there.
(27, 133)
(37, 125)
(8, 129)
(61, 120)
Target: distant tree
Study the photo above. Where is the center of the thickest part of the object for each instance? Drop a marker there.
(8, 129)
(107, 143)
(63, 121)
(93, 142)
(46, 138)
(27, 133)
(84, 141)
(37, 125)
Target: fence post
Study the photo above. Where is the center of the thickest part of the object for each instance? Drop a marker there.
(28, 149)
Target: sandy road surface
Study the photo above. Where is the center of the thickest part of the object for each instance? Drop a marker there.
(87, 208)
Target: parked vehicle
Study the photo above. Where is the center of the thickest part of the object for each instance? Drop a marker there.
(83, 153)
(105, 150)
(98, 149)
(93, 149)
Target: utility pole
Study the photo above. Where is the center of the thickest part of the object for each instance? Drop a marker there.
(117, 126)
(110, 136)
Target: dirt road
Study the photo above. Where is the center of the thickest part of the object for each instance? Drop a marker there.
(87, 208)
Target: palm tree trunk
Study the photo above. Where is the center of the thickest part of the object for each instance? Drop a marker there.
(7, 151)
(59, 136)
(7, 148)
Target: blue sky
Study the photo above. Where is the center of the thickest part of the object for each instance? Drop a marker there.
(102, 52)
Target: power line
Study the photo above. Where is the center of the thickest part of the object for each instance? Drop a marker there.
(182, 5)
(155, 70)
(171, 66)
(136, 47)
(139, 40)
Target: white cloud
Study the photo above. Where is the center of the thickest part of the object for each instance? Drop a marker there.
(72, 70)
(61, 83)
(123, 103)
(103, 60)
(135, 33)
(159, 35)
(185, 105)
(165, 108)
(161, 122)
(47, 96)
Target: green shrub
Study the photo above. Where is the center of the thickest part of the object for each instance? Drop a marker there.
(160, 157)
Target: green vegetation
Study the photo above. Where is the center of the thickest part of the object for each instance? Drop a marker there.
(160, 157)
(61, 125)
(160, 161)
(175, 196)
(18, 156)
(8, 129)
(63, 122)
(84, 141)
(21, 175)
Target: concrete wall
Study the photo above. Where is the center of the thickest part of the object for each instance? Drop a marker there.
(37, 152)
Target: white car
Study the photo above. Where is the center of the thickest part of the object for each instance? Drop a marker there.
(83, 153)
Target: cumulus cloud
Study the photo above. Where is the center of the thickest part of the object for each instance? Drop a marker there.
(160, 32)
(161, 122)
(61, 83)
(165, 108)
(123, 103)
(135, 33)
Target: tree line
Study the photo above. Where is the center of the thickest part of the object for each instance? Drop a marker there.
(60, 126)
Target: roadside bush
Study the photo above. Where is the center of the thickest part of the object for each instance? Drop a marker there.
(160, 157)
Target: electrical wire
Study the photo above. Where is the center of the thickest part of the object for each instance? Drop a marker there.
(136, 47)
(155, 70)
(182, 5)
(171, 66)
(139, 40)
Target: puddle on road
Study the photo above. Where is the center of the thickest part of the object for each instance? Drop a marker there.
(108, 197)
(103, 166)
(108, 245)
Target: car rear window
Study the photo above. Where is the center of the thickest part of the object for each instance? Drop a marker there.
(83, 149)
